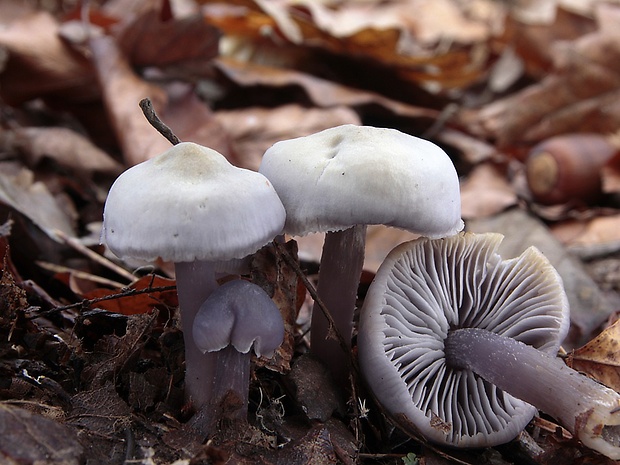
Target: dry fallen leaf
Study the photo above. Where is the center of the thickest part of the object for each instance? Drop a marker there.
(411, 36)
(21, 192)
(122, 91)
(176, 105)
(253, 130)
(269, 271)
(600, 358)
(486, 192)
(150, 40)
(581, 94)
(139, 303)
(40, 64)
(322, 92)
(596, 231)
(27, 437)
(66, 147)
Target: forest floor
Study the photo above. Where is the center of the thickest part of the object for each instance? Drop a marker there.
(91, 350)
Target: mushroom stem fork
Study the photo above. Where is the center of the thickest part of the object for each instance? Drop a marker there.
(586, 408)
(339, 275)
(195, 282)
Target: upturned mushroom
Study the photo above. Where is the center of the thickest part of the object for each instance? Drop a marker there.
(190, 206)
(344, 178)
(236, 317)
(462, 345)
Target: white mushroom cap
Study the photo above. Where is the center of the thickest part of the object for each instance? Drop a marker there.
(187, 204)
(241, 314)
(426, 288)
(350, 175)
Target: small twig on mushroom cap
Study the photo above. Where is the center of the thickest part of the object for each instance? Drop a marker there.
(149, 113)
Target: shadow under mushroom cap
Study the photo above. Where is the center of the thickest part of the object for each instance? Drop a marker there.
(424, 289)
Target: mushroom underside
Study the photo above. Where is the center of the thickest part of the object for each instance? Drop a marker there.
(427, 288)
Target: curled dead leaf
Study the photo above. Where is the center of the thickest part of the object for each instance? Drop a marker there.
(40, 64)
(21, 192)
(486, 192)
(600, 358)
(253, 130)
(66, 147)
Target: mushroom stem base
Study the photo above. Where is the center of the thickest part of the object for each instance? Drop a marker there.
(229, 388)
(195, 282)
(586, 408)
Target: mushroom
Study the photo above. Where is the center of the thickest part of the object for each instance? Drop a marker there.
(237, 316)
(340, 180)
(589, 410)
(455, 341)
(190, 206)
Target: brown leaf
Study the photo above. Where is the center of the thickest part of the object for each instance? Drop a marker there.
(486, 192)
(31, 198)
(99, 410)
(177, 106)
(315, 390)
(580, 95)
(323, 93)
(192, 120)
(122, 91)
(253, 130)
(405, 35)
(269, 271)
(31, 438)
(113, 355)
(12, 297)
(315, 447)
(68, 148)
(380, 240)
(532, 33)
(140, 303)
(150, 40)
(40, 64)
(599, 230)
(473, 150)
(600, 358)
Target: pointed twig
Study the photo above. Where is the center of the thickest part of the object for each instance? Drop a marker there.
(290, 261)
(90, 302)
(77, 245)
(149, 113)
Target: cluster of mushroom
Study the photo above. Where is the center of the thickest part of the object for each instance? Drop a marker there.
(443, 319)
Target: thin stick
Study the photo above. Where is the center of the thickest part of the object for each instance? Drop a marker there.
(80, 274)
(290, 261)
(77, 245)
(149, 113)
(89, 302)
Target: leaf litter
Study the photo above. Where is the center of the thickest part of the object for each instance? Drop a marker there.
(91, 352)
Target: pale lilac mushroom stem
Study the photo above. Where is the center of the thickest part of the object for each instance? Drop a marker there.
(339, 275)
(195, 282)
(589, 410)
(232, 375)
